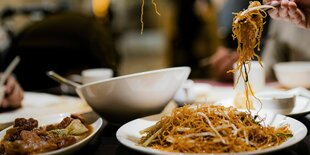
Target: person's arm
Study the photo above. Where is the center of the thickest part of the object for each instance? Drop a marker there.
(221, 62)
(14, 94)
(295, 11)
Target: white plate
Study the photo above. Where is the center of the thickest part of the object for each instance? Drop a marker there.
(128, 134)
(43, 104)
(301, 108)
(56, 119)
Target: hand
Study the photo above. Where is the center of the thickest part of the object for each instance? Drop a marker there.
(290, 11)
(222, 61)
(14, 94)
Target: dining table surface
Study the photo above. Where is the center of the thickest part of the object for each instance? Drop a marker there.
(106, 143)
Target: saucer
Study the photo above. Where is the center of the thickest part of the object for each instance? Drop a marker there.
(301, 107)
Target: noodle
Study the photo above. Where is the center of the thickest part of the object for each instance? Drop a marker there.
(142, 13)
(211, 129)
(247, 29)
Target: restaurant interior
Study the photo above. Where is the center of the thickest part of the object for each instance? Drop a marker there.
(154, 48)
(137, 77)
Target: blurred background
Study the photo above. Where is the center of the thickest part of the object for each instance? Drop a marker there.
(70, 35)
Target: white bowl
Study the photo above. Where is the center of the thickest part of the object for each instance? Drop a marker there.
(278, 102)
(124, 98)
(96, 74)
(293, 74)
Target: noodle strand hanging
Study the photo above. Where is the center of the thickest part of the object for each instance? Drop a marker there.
(247, 28)
(142, 13)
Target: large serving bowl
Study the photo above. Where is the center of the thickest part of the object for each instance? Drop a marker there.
(293, 74)
(124, 98)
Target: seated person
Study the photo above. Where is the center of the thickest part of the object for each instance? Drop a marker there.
(66, 43)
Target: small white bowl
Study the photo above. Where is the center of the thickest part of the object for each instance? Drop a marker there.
(96, 74)
(278, 102)
(293, 74)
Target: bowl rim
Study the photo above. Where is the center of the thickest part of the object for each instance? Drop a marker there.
(282, 67)
(275, 95)
(186, 68)
(284, 64)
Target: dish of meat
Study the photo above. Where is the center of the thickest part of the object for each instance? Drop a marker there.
(57, 134)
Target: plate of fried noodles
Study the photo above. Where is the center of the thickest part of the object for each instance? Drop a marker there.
(210, 129)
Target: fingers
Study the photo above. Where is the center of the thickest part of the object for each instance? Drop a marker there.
(292, 10)
(296, 15)
(287, 11)
(268, 2)
(283, 11)
(13, 94)
(272, 2)
(219, 54)
(15, 98)
(223, 63)
(274, 13)
(10, 84)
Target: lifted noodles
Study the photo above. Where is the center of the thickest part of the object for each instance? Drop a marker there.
(247, 28)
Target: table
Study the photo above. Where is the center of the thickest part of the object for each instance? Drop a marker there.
(106, 143)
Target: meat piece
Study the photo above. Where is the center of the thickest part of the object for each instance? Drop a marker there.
(41, 131)
(12, 135)
(25, 124)
(33, 143)
(29, 136)
(78, 116)
(51, 127)
(64, 123)
(65, 141)
(30, 143)
(60, 141)
(2, 149)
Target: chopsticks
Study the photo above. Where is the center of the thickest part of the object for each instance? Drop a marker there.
(261, 7)
(265, 7)
(9, 70)
(6, 74)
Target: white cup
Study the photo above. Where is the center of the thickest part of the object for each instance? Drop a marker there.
(275, 101)
(96, 74)
(256, 78)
